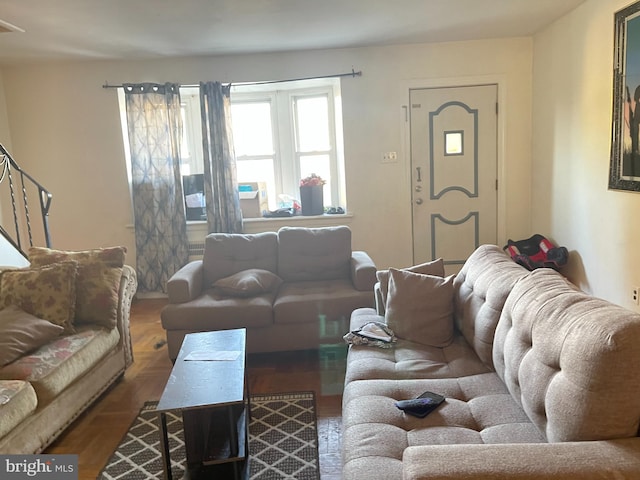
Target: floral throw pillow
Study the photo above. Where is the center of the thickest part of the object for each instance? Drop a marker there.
(47, 292)
(112, 256)
(98, 284)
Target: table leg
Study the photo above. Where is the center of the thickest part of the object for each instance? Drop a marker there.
(248, 397)
(164, 445)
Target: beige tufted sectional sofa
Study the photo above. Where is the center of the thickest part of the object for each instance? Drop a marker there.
(541, 381)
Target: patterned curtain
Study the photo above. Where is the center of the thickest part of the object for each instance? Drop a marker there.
(155, 129)
(220, 178)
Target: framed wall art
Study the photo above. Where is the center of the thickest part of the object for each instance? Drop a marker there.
(624, 169)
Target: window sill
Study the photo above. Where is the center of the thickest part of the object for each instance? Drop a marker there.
(261, 224)
(300, 218)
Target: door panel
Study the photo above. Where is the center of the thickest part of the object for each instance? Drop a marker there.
(454, 172)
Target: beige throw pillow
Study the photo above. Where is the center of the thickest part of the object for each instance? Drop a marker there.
(248, 283)
(420, 307)
(98, 283)
(435, 268)
(21, 333)
(47, 292)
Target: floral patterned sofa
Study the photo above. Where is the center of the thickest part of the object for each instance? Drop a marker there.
(64, 339)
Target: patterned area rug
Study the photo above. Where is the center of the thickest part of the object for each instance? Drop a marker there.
(283, 442)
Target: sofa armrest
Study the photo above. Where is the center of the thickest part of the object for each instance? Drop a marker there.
(126, 292)
(363, 271)
(380, 304)
(186, 283)
(528, 461)
(362, 316)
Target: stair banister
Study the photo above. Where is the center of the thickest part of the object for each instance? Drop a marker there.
(7, 164)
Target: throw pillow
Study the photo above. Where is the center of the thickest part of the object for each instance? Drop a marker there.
(47, 292)
(21, 333)
(435, 268)
(420, 307)
(112, 256)
(248, 283)
(99, 274)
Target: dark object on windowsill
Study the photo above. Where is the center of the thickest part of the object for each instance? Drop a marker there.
(312, 199)
(335, 211)
(281, 212)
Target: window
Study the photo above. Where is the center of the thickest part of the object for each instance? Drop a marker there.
(191, 148)
(282, 132)
(254, 143)
(454, 143)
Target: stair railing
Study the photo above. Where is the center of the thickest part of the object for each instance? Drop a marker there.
(8, 167)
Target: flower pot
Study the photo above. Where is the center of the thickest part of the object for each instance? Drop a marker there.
(312, 200)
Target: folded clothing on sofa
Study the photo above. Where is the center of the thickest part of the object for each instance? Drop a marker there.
(376, 334)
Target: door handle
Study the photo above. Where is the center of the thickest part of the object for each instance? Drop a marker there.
(418, 170)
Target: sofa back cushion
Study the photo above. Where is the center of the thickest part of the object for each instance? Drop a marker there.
(480, 291)
(570, 360)
(228, 253)
(314, 253)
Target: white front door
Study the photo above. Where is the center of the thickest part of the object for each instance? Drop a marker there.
(454, 172)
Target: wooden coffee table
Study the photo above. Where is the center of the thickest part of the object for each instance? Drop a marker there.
(208, 385)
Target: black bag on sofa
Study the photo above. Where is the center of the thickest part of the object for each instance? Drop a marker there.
(537, 252)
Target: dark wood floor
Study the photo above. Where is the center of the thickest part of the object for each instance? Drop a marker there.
(95, 435)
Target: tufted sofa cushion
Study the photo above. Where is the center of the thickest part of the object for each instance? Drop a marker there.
(480, 292)
(226, 254)
(309, 254)
(571, 360)
(407, 359)
(478, 410)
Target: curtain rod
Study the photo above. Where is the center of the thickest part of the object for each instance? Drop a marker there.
(353, 74)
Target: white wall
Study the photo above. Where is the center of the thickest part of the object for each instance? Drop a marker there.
(9, 256)
(65, 130)
(572, 98)
(5, 136)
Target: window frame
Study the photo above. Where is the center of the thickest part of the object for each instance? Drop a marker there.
(287, 155)
(192, 125)
(266, 97)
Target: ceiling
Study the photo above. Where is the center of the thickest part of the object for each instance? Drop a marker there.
(135, 29)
